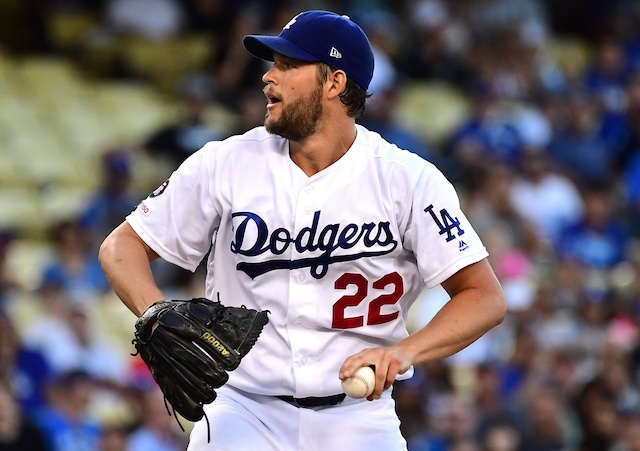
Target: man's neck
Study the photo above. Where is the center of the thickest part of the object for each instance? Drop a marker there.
(321, 150)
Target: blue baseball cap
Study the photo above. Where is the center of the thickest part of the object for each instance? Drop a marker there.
(320, 36)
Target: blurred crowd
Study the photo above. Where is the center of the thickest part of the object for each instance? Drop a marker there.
(546, 159)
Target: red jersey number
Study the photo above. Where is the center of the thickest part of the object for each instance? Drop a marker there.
(374, 313)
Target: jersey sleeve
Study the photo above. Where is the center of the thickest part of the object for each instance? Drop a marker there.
(438, 232)
(178, 220)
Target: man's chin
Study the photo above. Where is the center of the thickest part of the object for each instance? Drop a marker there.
(272, 127)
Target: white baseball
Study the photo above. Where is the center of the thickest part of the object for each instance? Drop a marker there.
(361, 384)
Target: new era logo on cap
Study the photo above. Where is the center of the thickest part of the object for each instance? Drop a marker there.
(316, 36)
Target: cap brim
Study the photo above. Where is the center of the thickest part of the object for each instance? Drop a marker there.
(265, 46)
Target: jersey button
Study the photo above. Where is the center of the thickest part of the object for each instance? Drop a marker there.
(301, 277)
(304, 360)
(299, 320)
(308, 188)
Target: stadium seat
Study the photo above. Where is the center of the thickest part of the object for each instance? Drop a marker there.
(26, 259)
(431, 109)
(68, 30)
(572, 55)
(20, 210)
(164, 63)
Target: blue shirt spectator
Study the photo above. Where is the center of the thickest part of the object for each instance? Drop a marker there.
(576, 148)
(65, 424)
(25, 368)
(113, 200)
(484, 135)
(74, 265)
(599, 239)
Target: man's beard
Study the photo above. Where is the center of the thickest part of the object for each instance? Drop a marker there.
(299, 120)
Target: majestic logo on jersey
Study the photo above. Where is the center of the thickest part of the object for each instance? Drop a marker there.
(377, 238)
(446, 223)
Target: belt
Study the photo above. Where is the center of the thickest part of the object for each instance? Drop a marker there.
(313, 401)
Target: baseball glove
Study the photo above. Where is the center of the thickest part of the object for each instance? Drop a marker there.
(190, 345)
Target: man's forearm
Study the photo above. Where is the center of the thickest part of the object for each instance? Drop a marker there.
(459, 323)
(125, 262)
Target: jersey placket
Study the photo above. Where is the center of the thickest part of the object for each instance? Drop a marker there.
(302, 301)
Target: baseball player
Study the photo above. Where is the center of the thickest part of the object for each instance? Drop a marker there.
(331, 229)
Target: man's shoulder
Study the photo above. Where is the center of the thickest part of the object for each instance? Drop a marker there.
(258, 135)
(254, 141)
(389, 153)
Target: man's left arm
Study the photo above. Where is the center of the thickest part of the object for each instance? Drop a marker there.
(477, 305)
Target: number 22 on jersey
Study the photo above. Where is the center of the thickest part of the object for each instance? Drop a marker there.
(374, 312)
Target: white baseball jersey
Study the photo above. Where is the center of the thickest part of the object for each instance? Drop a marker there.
(337, 258)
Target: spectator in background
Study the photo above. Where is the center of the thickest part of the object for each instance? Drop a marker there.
(155, 433)
(111, 202)
(17, 432)
(618, 379)
(8, 285)
(49, 331)
(484, 135)
(213, 17)
(234, 69)
(553, 325)
(608, 79)
(70, 341)
(631, 187)
(629, 23)
(488, 17)
(492, 404)
(411, 405)
(548, 200)
(598, 240)
(490, 209)
(592, 315)
(25, 368)
(454, 419)
(501, 435)
(604, 400)
(382, 29)
(577, 149)
(436, 49)
(249, 110)
(608, 73)
(177, 141)
(515, 372)
(547, 423)
(65, 423)
(629, 434)
(380, 117)
(64, 332)
(75, 264)
(114, 438)
(629, 163)
(148, 19)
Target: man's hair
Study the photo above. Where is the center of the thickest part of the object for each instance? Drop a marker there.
(353, 97)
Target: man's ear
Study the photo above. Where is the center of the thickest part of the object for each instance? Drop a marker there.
(336, 83)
